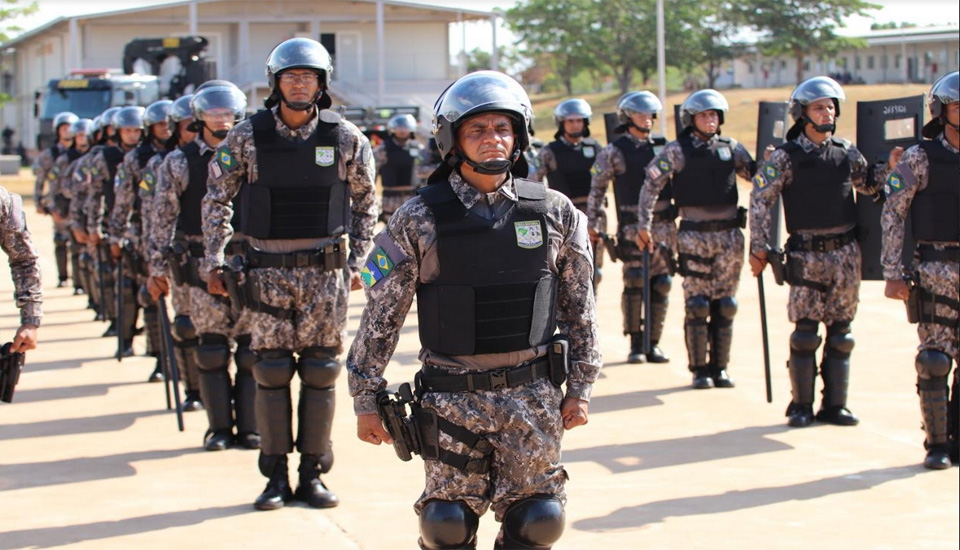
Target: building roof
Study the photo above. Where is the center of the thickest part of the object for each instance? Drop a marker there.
(465, 14)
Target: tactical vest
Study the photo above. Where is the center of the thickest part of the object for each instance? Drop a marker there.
(821, 193)
(627, 186)
(935, 212)
(572, 176)
(114, 156)
(73, 154)
(144, 153)
(709, 176)
(298, 193)
(495, 292)
(190, 220)
(398, 172)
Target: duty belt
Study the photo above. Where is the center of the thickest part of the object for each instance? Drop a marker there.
(666, 215)
(330, 258)
(820, 243)
(510, 377)
(398, 190)
(929, 253)
(718, 225)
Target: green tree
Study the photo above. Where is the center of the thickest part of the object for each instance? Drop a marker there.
(555, 31)
(717, 38)
(10, 10)
(802, 27)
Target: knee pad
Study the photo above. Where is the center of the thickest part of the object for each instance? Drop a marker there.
(447, 524)
(633, 278)
(805, 339)
(933, 363)
(660, 285)
(183, 329)
(213, 352)
(244, 357)
(839, 339)
(698, 307)
(274, 368)
(535, 522)
(726, 307)
(318, 367)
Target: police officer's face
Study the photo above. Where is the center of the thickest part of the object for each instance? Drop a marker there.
(62, 131)
(130, 136)
(183, 130)
(642, 120)
(161, 131)
(401, 133)
(572, 126)
(486, 137)
(299, 85)
(707, 122)
(822, 111)
(952, 111)
(218, 119)
(80, 140)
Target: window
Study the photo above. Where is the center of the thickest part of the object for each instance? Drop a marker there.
(870, 62)
(856, 62)
(806, 64)
(896, 61)
(783, 64)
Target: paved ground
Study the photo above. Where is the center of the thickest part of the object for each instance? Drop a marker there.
(90, 458)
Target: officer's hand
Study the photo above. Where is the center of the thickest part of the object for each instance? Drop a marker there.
(897, 290)
(115, 251)
(80, 236)
(215, 284)
(157, 286)
(370, 430)
(57, 217)
(768, 152)
(574, 412)
(644, 241)
(93, 238)
(594, 236)
(758, 261)
(25, 339)
(356, 283)
(895, 155)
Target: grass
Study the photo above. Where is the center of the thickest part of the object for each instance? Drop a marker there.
(741, 120)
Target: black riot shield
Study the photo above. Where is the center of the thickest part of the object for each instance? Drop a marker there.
(610, 123)
(772, 130)
(678, 126)
(881, 126)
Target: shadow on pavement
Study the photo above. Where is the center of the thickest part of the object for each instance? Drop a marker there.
(632, 517)
(69, 392)
(632, 400)
(648, 455)
(59, 364)
(78, 470)
(84, 425)
(59, 536)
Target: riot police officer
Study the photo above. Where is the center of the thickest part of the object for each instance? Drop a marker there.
(702, 165)
(624, 162)
(923, 184)
(497, 263)
(398, 164)
(24, 270)
(43, 170)
(307, 180)
(816, 173)
(566, 161)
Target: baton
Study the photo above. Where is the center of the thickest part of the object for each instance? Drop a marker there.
(120, 308)
(170, 362)
(101, 283)
(766, 341)
(646, 301)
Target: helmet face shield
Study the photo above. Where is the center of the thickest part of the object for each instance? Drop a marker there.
(179, 110)
(402, 123)
(65, 117)
(944, 91)
(637, 102)
(218, 101)
(129, 117)
(156, 112)
(82, 126)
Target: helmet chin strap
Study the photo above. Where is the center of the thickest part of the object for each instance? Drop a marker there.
(301, 105)
(219, 134)
(821, 128)
(488, 167)
(946, 122)
(574, 135)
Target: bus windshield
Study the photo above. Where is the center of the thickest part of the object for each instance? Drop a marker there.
(83, 103)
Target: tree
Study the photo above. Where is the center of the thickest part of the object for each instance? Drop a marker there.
(716, 41)
(554, 31)
(623, 34)
(10, 10)
(801, 27)
(891, 25)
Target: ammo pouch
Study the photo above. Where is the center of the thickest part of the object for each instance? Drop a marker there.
(10, 366)
(558, 357)
(914, 305)
(684, 265)
(777, 265)
(794, 274)
(741, 217)
(232, 274)
(922, 304)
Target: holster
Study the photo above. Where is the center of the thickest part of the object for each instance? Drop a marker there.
(558, 353)
(235, 281)
(670, 258)
(914, 300)
(741, 217)
(10, 366)
(402, 427)
(610, 243)
(176, 255)
(777, 265)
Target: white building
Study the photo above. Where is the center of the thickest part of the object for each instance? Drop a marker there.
(385, 51)
(920, 54)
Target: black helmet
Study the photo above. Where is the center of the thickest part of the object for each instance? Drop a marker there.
(945, 90)
(402, 122)
(299, 53)
(478, 93)
(637, 102)
(156, 112)
(129, 117)
(66, 117)
(700, 101)
(179, 110)
(83, 126)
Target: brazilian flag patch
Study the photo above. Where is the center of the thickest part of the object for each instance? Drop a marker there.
(379, 265)
(149, 182)
(370, 274)
(226, 160)
(664, 165)
(894, 183)
(770, 173)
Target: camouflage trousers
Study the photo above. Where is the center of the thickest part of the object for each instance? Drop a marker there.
(664, 235)
(716, 263)
(838, 271)
(391, 201)
(319, 299)
(213, 315)
(940, 278)
(180, 298)
(525, 428)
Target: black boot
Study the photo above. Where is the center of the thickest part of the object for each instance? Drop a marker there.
(192, 401)
(835, 371)
(697, 335)
(938, 458)
(702, 379)
(111, 330)
(721, 339)
(277, 492)
(934, 408)
(636, 355)
(802, 367)
(157, 374)
(217, 440)
(311, 488)
(799, 415)
(127, 348)
(244, 395)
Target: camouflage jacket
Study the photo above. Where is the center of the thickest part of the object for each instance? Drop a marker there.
(24, 269)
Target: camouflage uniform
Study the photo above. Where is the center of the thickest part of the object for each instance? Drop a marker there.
(309, 303)
(80, 189)
(938, 327)
(710, 261)
(610, 164)
(25, 272)
(523, 423)
(44, 170)
(58, 198)
(393, 198)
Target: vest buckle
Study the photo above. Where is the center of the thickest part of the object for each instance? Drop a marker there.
(498, 380)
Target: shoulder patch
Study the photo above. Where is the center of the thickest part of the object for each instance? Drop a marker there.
(381, 261)
(759, 182)
(664, 165)
(225, 159)
(149, 182)
(894, 183)
(770, 173)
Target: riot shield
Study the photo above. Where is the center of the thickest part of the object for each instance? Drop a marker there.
(772, 130)
(881, 126)
(610, 123)
(678, 126)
